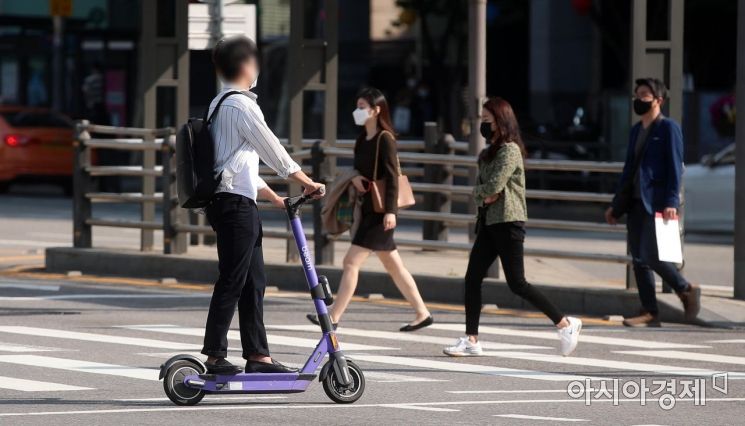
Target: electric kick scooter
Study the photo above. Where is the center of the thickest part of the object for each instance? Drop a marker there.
(185, 377)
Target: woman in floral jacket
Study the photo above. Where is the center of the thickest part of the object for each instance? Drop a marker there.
(500, 195)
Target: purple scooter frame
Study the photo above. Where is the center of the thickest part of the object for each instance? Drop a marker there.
(262, 383)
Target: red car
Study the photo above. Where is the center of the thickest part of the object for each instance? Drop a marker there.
(35, 143)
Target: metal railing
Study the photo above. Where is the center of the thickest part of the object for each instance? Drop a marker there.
(437, 165)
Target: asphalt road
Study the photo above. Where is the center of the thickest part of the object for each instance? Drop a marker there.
(87, 352)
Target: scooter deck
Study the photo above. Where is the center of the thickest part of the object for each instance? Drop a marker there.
(251, 382)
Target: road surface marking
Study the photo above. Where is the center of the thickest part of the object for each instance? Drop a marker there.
(35, 385)
(22, 286)
(600, 340)
(419, 407)
(222, 398)
(372, 376)
(510, 391)
(689, 356)
(402, 337)
(326, 406)
(106, 296)
(727, 341)
(467, 368)
(81, 366)
(99, 338)
(550, 419)
(12, 347)
(611, 364)
(273, 339)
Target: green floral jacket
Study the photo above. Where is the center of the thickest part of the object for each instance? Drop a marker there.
(504, 175)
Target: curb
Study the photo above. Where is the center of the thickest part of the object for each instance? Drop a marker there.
(288, 277)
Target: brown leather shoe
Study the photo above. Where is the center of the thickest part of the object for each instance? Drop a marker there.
(691, 299)
(645, 319)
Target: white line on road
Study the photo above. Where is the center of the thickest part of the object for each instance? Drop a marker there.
(600, 340)
(419, 407)
(12, 347)
(550, 419)
(401, 337)
(611, 364)
(689, 356)
(727, 341)
(457, 367)
(35, 385)
(325, 406)
(99, 338)
(106, 296)
(222, 398)
(510, 391)
(81, 366)
(273, 339)
(22, 286)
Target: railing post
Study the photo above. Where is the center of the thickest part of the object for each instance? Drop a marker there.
(147, 209)
(174, 242)
(81, 207)
(439, 174)
(323, 246)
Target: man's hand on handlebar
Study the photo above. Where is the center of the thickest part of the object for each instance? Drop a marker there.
(315, 190)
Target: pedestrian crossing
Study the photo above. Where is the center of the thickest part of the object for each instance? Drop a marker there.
(386, 356)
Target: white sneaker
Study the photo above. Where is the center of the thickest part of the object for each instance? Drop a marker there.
(569, 336)
(464, 347)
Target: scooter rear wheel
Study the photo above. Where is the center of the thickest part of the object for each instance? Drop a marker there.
(341, 394)
(173, 383)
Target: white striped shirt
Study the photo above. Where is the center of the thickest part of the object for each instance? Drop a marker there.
(242, 137)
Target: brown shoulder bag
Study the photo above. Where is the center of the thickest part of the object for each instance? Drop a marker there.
(377, 186)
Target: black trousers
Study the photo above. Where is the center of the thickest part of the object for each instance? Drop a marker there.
(643, 248)
(506, 241)
(242, 281)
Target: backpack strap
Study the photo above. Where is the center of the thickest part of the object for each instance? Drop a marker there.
(207, 120)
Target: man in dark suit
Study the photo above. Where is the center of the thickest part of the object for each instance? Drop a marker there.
(650, 183)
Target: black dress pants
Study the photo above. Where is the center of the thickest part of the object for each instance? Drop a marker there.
(235, 220)
(506, 241)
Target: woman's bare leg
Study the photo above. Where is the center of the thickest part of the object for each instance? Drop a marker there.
(354, 258)
(405, 282)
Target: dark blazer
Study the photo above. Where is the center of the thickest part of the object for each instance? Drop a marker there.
(661, 168)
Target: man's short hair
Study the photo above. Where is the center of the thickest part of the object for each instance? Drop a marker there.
(656, 86)
(230, 53)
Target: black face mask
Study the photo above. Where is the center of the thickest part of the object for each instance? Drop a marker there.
(642, 107)
(486, 131)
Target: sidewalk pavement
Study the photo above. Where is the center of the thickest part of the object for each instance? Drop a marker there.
(439, 275)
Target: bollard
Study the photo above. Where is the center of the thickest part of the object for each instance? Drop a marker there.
(81, 182)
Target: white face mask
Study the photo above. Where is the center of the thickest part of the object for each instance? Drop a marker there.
(360, 116)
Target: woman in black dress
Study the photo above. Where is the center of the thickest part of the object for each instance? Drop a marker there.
(375, 230)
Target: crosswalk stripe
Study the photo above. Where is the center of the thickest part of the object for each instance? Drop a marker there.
(24, 385)
(611, 364)
(12, 347)
(105, 296)
(456, 367)
(99, 338)
(727, 341)
(689, 356)
(81, 366)
(23, 286)
(550, 419)
(585, 338)
(401, 337)
(273, 339)
(373, 376)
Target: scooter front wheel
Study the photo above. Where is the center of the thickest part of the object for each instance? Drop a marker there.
(173, 383)
(345, 394)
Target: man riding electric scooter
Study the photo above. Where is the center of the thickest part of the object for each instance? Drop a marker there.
(241, 138)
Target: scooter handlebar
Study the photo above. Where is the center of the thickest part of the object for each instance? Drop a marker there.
(292, 204)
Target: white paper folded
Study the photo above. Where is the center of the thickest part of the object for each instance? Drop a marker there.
(668, 239)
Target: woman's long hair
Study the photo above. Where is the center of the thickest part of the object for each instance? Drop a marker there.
(375, 98)
(508, 130)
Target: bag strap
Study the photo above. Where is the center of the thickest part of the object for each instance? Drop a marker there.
(377, 155)
(207, 120)
(638, 158)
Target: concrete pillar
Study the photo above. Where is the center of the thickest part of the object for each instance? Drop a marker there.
(739, 281)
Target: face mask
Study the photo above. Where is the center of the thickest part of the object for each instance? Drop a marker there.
(486, 131)
(360, 116)
(642, 107)
(255, 81)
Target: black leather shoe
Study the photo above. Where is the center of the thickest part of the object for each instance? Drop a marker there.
(223, 367)
(314, 319)
(424, 323)
(268, 367)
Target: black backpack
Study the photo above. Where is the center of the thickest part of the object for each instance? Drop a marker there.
(195, 160)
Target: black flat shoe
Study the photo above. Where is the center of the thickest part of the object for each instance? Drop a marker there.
(424, 323)
(268, 367)
(223, 367)
(314, 319)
